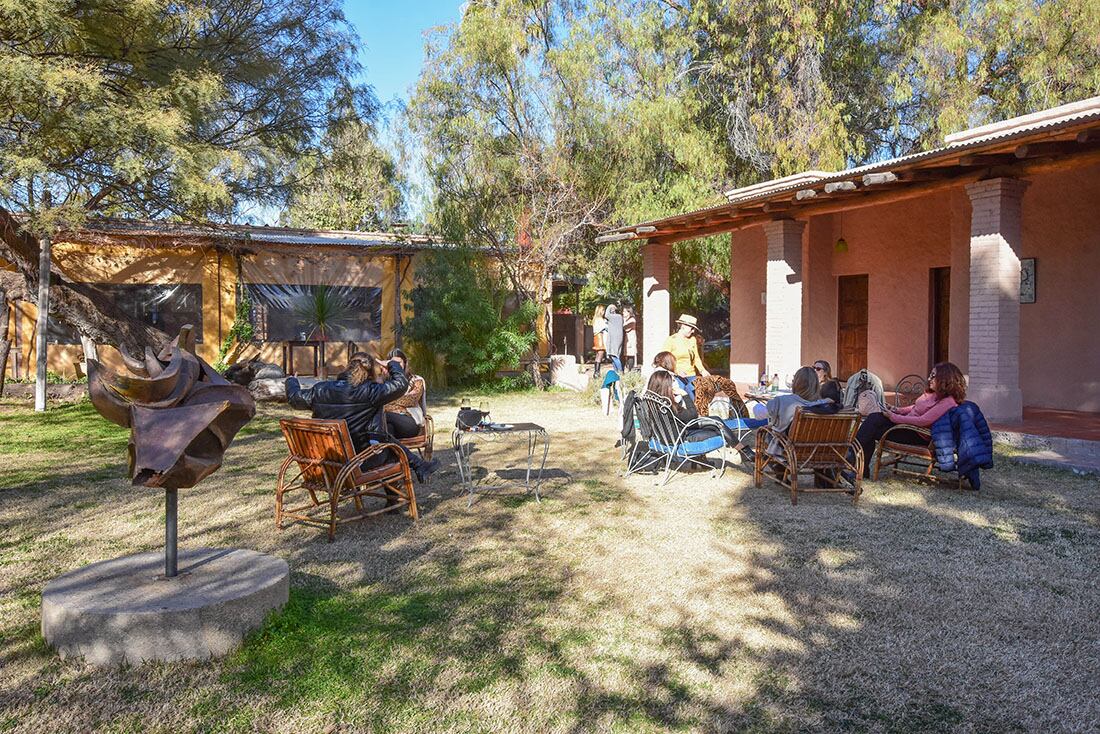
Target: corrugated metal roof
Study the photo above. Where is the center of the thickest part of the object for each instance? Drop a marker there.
(244, 234)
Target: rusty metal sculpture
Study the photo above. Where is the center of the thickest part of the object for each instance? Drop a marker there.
(182, 416)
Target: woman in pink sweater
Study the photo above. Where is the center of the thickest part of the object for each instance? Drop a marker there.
(946, 389)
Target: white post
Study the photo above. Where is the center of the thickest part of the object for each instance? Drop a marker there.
(656, 319)
(783, 310)
(43, 317)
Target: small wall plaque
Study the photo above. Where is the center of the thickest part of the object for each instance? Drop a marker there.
(1027, 280)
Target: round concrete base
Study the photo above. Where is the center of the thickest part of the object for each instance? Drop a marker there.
(125, 611)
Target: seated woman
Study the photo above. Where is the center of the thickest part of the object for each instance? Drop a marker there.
(826, 380)
(804, 394)
(663, 382)
(946, 389)
(359, 396)
(405, 415)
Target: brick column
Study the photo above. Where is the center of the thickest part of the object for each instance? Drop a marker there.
(994, 350)
(783, 310)
(656, 319)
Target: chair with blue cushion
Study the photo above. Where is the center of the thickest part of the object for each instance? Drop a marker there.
(669, 436)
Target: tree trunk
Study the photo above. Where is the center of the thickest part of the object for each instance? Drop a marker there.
(40, 350)
(5, 343)
(80, 305)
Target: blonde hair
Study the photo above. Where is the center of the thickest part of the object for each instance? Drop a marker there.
(600, 310)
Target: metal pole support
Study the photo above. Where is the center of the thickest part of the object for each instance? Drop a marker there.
(170, 515)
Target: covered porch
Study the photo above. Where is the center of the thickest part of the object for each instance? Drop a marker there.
(984, 252)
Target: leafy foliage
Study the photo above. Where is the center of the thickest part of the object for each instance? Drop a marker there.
(459, 307)
(545, 121)
(350, 183)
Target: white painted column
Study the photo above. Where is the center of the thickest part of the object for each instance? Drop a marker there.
(656, 320)
(994, 349)
(783, 310)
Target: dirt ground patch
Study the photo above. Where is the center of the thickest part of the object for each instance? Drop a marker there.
(614, 605)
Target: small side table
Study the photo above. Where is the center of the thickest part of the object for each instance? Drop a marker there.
(535, 435)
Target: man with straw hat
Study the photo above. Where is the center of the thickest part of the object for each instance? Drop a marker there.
(685, 348)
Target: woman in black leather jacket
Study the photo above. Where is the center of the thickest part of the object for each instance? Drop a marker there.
(360, 400)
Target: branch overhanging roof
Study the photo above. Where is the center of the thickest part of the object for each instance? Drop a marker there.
(1013, 146)
(151, 233)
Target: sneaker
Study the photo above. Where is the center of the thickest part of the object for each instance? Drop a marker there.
(748, 454)
(425, 470)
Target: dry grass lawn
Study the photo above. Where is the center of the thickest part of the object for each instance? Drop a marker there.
(615, 605)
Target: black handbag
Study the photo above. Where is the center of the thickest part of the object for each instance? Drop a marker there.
(469, 418)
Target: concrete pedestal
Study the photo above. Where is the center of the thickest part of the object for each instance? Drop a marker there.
(125, 611)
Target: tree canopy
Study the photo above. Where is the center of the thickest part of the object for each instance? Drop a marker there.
(546, 120)
(161, 108)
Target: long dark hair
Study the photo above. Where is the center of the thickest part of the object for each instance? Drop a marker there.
(661, 382)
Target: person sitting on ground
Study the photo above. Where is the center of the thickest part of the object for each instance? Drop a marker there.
(946, 390)
(663, 382)
(685, 349)
(405, 415)
(359, 400)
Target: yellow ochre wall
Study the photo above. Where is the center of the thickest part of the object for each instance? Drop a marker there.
(216, 272)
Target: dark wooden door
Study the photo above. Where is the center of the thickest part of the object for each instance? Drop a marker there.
(939, 321)
(851, 326)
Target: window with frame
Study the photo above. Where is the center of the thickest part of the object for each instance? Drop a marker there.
(165, 306)
(282, 312)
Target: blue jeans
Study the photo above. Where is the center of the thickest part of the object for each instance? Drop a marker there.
(618, 363)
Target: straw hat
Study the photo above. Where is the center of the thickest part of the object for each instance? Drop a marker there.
(688, 320)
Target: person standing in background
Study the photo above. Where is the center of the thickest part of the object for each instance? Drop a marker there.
(630, 336)
(614, 337)
(599, 333)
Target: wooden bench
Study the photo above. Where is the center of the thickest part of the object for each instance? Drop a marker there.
(330, 472)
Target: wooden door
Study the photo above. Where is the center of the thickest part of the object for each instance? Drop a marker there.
(939, 314)
(851, 327)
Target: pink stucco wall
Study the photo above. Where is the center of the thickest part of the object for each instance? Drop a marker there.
(748, 268)
(1059, 337)
(897, 244)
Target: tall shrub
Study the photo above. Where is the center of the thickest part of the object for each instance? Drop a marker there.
(460, 310)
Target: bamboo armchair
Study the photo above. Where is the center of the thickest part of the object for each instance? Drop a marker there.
(422, 443)
(911, 460)
(330, 472)
(816, 443)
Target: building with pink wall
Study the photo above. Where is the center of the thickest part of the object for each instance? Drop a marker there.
(899, 264)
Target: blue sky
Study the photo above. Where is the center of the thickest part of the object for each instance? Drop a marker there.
(392, 34)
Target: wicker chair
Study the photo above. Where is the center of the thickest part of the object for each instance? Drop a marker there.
(330, 472)
(908, 389)
(668, 435)
(422, 443)
(814, 442)
(911, 460)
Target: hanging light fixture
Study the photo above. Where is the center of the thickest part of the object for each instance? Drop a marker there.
(841, 243)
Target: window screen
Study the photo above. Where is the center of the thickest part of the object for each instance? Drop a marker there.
(289, 312)
(165, 306)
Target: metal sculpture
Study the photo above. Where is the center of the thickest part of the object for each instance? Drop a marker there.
(182, 416)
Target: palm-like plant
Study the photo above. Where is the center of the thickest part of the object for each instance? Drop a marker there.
(323, 311)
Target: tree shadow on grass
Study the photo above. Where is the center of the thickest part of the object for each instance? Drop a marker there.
(919, 609)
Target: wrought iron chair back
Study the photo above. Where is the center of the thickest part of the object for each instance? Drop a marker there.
(908, 389)
(659, 422)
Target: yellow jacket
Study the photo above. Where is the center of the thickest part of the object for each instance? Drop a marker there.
(686, 352)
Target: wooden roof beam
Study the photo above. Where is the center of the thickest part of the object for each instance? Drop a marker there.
(878, 179)
(986, 160)
(840, 187)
